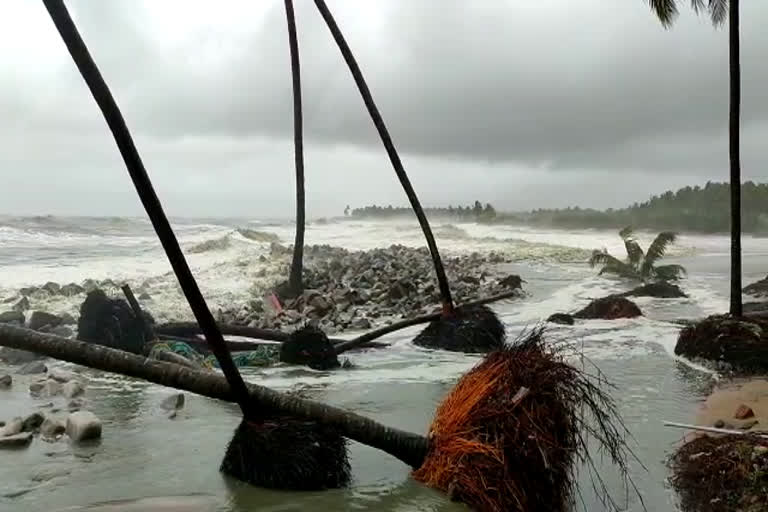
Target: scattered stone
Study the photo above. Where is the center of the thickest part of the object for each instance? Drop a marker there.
(32, 422)
(748, 424)
(32, 368)
(743, 412)
(46, 388)
(12, 317)
(561, 318)
(41, 318)
(14, 356)
(52, 428)
(63, 331)
(609, 308)
(75, 405)
(659, 290)
(67, 319)
(71, 289)
(73, 389)
(16, 440)
(6, 381)
(173, 402)
(511, 282)
(360, 323)
(21, 306)
(719, 424)
(13, 427)
(83, 426)
(61, 375)
(51, 287)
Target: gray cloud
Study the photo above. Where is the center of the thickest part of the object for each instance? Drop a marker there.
(512, 93)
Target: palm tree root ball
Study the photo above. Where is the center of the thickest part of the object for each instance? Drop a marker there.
(287, 453)
(474, 329)
(507, 436)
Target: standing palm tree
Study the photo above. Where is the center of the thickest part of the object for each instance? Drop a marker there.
(295, 282)
(719, 10)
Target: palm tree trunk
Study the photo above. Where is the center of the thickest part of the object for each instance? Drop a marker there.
(295, 282)
(378, 121)
(733, 146)
(408, 447)
(114, 118)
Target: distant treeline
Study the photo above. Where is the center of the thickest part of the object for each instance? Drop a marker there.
(476, 212)
(703, 209)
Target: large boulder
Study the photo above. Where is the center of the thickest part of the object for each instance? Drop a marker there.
(309, 346)
(561, 318)
(609, 308)
(41, 319)
(12, 317)
(111, 322)
(83, 426)
(740, 342)
(15, 356)
(471, 330)
(758, 288)
(659, 290)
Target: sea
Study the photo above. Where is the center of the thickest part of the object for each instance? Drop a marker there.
(148, 460)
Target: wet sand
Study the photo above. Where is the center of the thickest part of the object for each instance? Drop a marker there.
(722, 403)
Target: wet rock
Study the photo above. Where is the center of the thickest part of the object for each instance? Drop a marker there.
(511, 282)
(748, 424)
(46, 388)
(474, 329)
(13, 427)
(112, 323)
(28, 290)
(6, 381)
(71, 289)
(719, 424)
(12, 317)
(360, 323)
(561, 318)
(63, 331)
(75, 405)
(740, 342)
(14, 356)
(16, 440)
(758, 288)
(72, 389)
(83, 426)
(144, 296)
(609, 308)
(32, 368)
(61, 375)
(51, 287)
(659, 290)
(173, 402)
(41, 318)
(743, 412)
(32, 422)
(309, 346)
(22, 305)
(52, 428)
(67, 319)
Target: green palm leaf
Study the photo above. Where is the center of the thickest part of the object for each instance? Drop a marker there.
(656, 250)
(634, 251)
(612, 265)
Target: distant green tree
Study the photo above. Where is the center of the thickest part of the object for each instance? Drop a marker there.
(640, 265)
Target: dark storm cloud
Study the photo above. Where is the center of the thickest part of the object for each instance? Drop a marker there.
(600, 86)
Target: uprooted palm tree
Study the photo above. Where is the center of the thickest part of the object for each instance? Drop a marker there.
(475, 329)
(719, 11)
(640, 265)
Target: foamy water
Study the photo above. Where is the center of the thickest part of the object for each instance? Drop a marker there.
(398, 385)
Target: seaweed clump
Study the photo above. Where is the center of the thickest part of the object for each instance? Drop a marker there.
(474, 329)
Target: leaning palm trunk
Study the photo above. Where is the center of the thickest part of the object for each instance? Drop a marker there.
(508, 437)
(295, 281)
(408, 447)
(735, 160)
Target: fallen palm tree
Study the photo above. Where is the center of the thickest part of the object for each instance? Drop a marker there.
(509, 437)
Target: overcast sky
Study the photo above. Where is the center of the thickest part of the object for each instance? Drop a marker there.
(522, 104)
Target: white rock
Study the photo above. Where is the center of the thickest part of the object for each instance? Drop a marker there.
(16, 440)
(83, 425)
(53, 428)
(60, 375)
(72, 389)
(13, 427)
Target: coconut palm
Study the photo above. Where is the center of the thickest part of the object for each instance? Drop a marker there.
(640, 265)
(719, 11)
(295, 282)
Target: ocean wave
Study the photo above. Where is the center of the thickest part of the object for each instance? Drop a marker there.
(214, 244)
(255, 235)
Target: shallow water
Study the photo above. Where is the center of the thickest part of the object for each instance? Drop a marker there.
(145, 454)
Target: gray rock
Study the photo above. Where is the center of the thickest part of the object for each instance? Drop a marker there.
(16, 440)
(51, 287)
(46, 388)
(32, 422)
(61, 375)
(32, 368)
(73, 389)
(41, 318)
(21, 305)
(144, 296)
(75, 405)
(12, 317)
(62, 330)
(13, 427)
(67, 319)
(6, 381)
(71, 289)
(28, 290)
(13, 356)
(52, 428)
(83, 426)
(361, 323)
(173, 402)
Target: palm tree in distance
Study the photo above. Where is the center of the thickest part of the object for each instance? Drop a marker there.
(719, 11)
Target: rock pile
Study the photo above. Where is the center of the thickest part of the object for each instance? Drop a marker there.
(351, 289)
